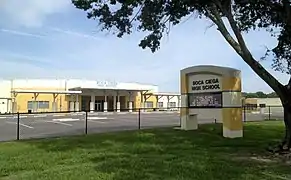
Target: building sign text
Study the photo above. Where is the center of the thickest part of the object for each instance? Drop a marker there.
(106, 83)
(208, 84)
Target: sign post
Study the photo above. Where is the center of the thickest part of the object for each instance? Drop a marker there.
(212, 93)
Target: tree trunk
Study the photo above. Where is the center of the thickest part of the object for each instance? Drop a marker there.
(286, 145)
(285, 97)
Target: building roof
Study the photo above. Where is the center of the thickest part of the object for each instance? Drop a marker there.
(46, 92)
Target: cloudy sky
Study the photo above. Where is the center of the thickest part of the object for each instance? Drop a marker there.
(52, 39)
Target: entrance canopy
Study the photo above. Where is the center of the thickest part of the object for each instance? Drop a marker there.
(107, 90)
(5, 98)
(165, 94)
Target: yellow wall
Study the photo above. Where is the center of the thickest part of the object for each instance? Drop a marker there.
(137, 100)
(63, 100)
(23, 98)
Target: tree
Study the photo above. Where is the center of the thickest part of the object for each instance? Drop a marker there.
(272, 95)
(157, 16)
(259, 94)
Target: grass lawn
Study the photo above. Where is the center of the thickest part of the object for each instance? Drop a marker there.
(149, 154)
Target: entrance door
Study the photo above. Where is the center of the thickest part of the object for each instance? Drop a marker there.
(98, 106)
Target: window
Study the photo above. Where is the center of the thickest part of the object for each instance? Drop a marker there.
(149, 104)
(43, 105)
(30, 105)
(160, 104)
(250, 106)
(172, 104)
(39, 104)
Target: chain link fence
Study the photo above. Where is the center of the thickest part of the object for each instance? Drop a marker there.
(56, 124)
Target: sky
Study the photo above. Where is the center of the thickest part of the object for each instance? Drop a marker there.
(53, 39)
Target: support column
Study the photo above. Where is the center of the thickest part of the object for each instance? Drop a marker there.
(54, 103)
(105, 104)
(142, 104)
(118, 104)
(8, 105)
(35, 95)
(168, 103)
(54, 106)
(130, 106)
(114, 103)
(72, 104)
(14, 103)
(157, 103)
(77, 104)
(92, 103)
(130, 102)
(14, 106)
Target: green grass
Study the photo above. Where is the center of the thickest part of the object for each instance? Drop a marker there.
(149, 154)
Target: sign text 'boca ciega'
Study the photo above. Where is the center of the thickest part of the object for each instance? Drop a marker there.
(208, 84)
(106, 83)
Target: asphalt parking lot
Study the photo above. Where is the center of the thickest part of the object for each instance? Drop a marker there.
(55, 125)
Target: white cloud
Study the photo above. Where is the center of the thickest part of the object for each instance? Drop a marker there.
(31, 13)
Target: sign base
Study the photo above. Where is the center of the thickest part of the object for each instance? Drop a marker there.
(189, 122)
(232, 133)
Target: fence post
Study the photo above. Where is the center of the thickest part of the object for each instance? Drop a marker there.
(180, 118)
(244, 109)
(269, 112)
(86, 122)
(138, 118)
(18, 129)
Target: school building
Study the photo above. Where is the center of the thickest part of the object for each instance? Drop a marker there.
(53, 95)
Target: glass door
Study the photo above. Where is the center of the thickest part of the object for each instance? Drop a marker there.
(99, 106)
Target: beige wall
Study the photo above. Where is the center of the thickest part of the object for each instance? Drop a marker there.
(269, 101)
(229, 83)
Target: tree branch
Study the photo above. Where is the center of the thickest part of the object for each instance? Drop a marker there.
(287, 8)
(216, 18)
(208, 27)
(136, 14)
(247, 56)
(226, 9)
(289, 84)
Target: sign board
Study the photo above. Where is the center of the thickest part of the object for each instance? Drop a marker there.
(106, 83)
(211, 93)
(202, 83)
(201, 100)
(204, 91)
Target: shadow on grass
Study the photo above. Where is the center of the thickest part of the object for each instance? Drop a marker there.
(174, 154)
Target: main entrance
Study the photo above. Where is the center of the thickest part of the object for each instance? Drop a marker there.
(99, 105)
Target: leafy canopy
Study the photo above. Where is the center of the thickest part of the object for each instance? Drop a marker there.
(157, 16)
